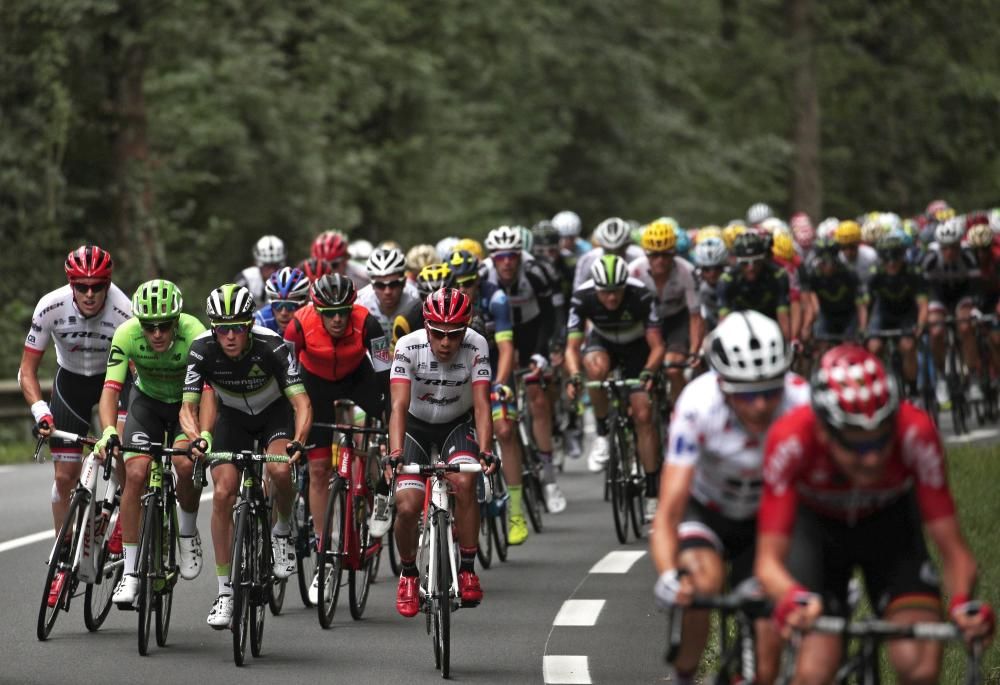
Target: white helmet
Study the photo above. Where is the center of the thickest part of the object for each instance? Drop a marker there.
(774, 225)
(748, 352)
(827, 227)
(505, 239)
(759, 212)
(359, 250)
(269, 250)
(612, 234)
(444, 246)
(610, 271)
(383, 262)
(710, 252)
(950, 232)
(567, 223)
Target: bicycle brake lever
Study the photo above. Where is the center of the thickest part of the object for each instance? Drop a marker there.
(38, 458)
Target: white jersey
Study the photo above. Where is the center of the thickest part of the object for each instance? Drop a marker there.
(82, 343)
(867, 258)
(728, 461)
(369, 300)
(252, 278)
(587, 259)
(440, 392)
(358, 274)
(678, 294)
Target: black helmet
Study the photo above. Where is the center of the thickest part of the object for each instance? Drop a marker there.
(333, 290)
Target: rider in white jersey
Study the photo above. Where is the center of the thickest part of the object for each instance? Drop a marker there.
(389, 293)
(612, 237)
(268, 256)
(712, 482)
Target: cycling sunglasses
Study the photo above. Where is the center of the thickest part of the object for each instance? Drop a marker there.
(286, 305)
(84, 288)
(382, 285)
(662, 254)
(751, 395)
(333, 312)
(859, 447)
(711, 269)
(892, 255)
(468, 282)
(504, 256)
(441, 334)
(743, 261)
(225, 328)
(153, 326)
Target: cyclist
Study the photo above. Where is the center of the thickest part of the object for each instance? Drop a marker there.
(432, 277)
(854, 480)
(537, 311)
(440, 397)
(80, 319)
(315, 269)
(856, 255)
(252, 372)
(268, 256)
(156, 343)
(803, 232)
(986, 247)
(755, 282)
(343, 354)
(953, 278)
(834, 294)
(758, 213)
(568, 225)
(417, 258)
(389, 293)
(331, 246)
(671, 279)
(710, 256)
(624, 333)
(613, 236)
(899, 301)
(712, 481)
(287, 289)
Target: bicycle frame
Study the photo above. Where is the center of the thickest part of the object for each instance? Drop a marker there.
(352, 467)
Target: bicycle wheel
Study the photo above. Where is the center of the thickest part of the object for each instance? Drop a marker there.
(97, 598)
(239, 581)
(393, 554)
(484, 550)
(305, 546)
(619, 486)
(169, 569)
(498, 529)
(62, 562)
(147, 570)
(331, 553)
(635, 487)
(260, 580)
(442, 610)
(360, 581)
(532, 499)
(276, 588)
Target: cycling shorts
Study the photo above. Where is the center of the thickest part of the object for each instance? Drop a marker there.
(236, 430)
(456, 439)
(629, 357)
(361, 387)
(886, 320)
(151, 420)
(676, 332)
(732, 539)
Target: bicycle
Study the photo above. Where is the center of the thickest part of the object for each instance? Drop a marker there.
(80, 552)
(251, 574)
(303, 534)
(987, 409)
(346, 540)
(436, 556)
(492, 520)
(624, 477)
(955, 376)
(532, 490)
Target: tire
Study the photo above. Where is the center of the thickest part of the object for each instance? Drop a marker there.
(498, 528)
(260, 580)
(636, 486)
(359, 581)
(64, 549)
(97, 598)
(532, 500)
(442, 611)
(305, 546)
(484, 551)
(168, 566)
(331, 553)
(277, 587)
(240, 583)
(394, 564)
(619, 487)
(147, 570)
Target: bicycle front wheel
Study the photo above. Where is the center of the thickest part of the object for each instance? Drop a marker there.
(97, 598)
(148, 569)
(442, 609)
(394, 564)
(62, 563)
(331, 553)
(359, 580)
(618, 484)
(239, 581)
(484, 551)
(304, 536)
(260, 580)
(277, 586)
(169, 569)
(532, 500)
(498, 528)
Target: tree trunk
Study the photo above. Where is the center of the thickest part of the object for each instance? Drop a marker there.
(806, 192)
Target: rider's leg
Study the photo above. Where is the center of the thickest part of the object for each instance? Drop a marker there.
(225, 480)
(708, 574)
(597, 365)
(938, 334)
(642, 417)
(966, 333)
(67, 466)
(188, 496)
(908, 353)
(281, 481)
(320, 470)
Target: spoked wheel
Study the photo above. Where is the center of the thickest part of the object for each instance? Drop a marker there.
(391, 544)
(635, 487)
(277, 586)
(97, 598)
(61, 563)
(959, 407)
(164, 585)
(359, 581)
(498, 529)
(240, 582)
(619, 481)
(485, 549)
(260, 575)
(442, 608)
(148, 570)
(304, 536)
(532, 500)
(331, 553)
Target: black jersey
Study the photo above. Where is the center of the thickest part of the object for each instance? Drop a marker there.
(838, 293)
(625, 324)
(767, 294)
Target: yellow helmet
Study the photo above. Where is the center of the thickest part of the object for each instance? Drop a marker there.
(470, 245)
(730, 232)
(434, 277)
(659, 236)
(782, 247)
(847, 233)
(707, 232)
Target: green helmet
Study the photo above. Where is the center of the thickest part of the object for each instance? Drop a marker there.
(609, 272)
(230, 302)
(156, 300)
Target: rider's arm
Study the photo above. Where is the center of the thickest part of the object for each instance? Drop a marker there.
(27, 375)
(810, 309)
(303, 415)
(505, 361)
(400, 397)
(957, 562)
(675, 486)
(484, 415)
(573, 345)
(697, 332)
(657, 350)
(503, 334)
(189, 416)
(114, 377)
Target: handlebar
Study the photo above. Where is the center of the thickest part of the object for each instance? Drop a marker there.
(622, 383)
(886, 629)
(439, 468)
(348, 428)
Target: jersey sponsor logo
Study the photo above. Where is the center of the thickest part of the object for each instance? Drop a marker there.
(682, 445)
(108, 324)
(444, 382)
(125, 315)
(255, 372)
(483, 372)
(50, 308)
(776, 467)
(400, 357)
(116, 356)
(429, 398)
(924, 457)
(72, 335)
(457, 367)
(71, 320)
(80, 348)
(139, 438)
(399, 369)
(192, 376)
(195, 355)
(35, 327)
(480, 359)
(31, 338)
(419, 346)
(380, 349)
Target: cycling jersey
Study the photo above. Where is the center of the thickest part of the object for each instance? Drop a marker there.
(535, 306)
(680, 291)
(767, 294)
(863, 263)
(252, 382)
(81, 342)
(160, 375)
(408, 320)
(252, 278)
(708, 295)
(798, 470)
(950, 283)
(336, 358)
(587, 259)
(838, 293)
(897, 294)
(369, 300)
(705, 434)
(625, 324)
(264, 316)
(440, 392)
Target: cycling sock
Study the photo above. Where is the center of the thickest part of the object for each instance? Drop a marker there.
(514, 503)
(468, 555)
(602, 425)
(187, 522)
(224, 588)
(131, 556)
(409, 568)
(549, 471)
(653, 483)
(281, 528)
(381, 487)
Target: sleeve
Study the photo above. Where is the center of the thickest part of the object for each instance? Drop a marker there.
(503, 326)
(294, 337)
(118, 357)
(924, 456)
(402, 366)
(781, 286)
(548, 313)
(286, 368)
(691, 291)
(194, 378)
(481, 371)
(648, 308)
(38, 336)
(919, 282)
(685, 437)
(576, 320)
(783, 458)
(378, 344)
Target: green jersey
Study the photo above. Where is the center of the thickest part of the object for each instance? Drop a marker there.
(159, 375)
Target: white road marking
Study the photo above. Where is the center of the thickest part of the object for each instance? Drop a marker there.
(974, 435)
(568, 670)
(617, 562)
(5, 469)
(579, 612)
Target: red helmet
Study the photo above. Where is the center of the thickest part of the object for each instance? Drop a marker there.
(89, 261)
(851, 389)
(315, 268)
(447, 305)
(329, 245)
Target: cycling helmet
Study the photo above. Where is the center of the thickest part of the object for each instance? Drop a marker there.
(773, 225)
(950, 232)
(730, 232)
(659, 236)
(444, 247)
(826, 248)
(706, 232)
(890, 221)
(783, 247)
(980, 235)
(710, 252)
(939, 210)
(230, 302)
(315, 269)
(758, 212)
(612, 233)
(420, 256)
(360, 250)
(384, 262)
(872, 230)
(545, 234)
(270, 249)
(329, 245)
(683, 242)
(333, 290)
(851, 389)
(527, 238)
(750, 244)
(287, 283)
(390, 245)
(447, 305)
(463, 265)
(892, 245)
(505, 239)
(748, 352)
(157, 300)
(567, 224)
(434, 277)
(609, 272)
(847, 233)
(827, 228)
(88, 261)
(470, 245)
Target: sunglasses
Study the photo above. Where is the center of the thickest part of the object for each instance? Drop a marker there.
(749, 260)
(382, 285)
(286, 305)
(441, 334)
(711, 269)
(859, 447)
(751, 395)
(664, 254)
(153, 326)
(892, 255)
(468, 282)
(504, 256)
(226, 328)
(84, 288)
(334, 312)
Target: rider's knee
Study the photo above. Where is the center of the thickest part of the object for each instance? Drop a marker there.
(502, 430)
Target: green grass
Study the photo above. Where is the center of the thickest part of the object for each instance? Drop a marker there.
(17, 452)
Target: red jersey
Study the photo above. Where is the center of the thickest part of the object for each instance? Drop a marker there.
(798, 470)
(336, 358)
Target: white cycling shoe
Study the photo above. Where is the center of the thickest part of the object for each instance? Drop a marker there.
(190, 556)
(975, 392)
(555, 501)
(381, 518)
(600, 452)
(284, 556)
(941, 391)
(650, 513)
(126, 591)
(222, 612)
(314, 587)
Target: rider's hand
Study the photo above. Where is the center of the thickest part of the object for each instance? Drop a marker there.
(539, 362)
(673, 588)
(974, 619)
(489, 462)
(201, 445)
(108, 443)
(646, 377)
(503, 392)
(798, 609)
(390, 462)
(295, 450)
(694, 360)
(573, 386)
(44, 423)
(797, 346)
